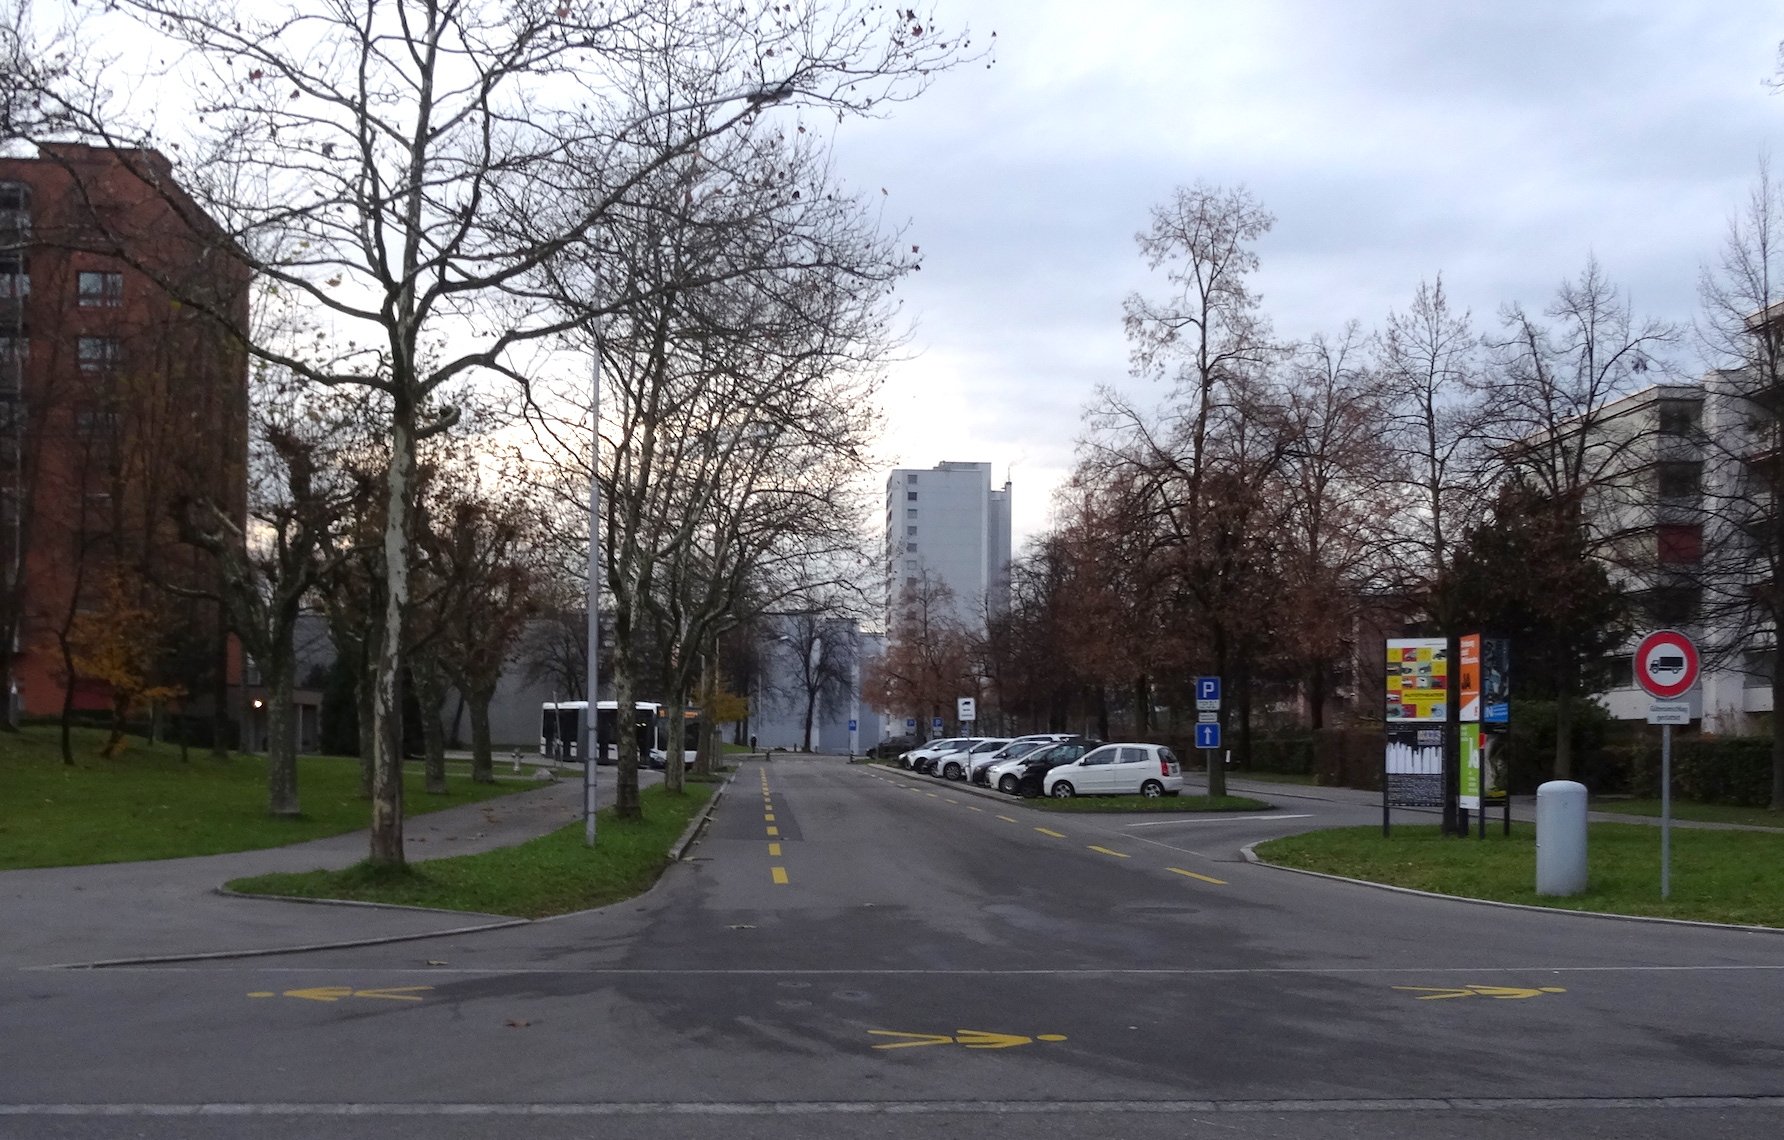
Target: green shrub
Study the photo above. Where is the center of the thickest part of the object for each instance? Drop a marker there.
(1733, 770)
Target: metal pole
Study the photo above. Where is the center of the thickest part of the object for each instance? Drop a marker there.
(1666, 811)
(590, 752)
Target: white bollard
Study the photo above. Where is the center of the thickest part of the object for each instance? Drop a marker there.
(1561, 838)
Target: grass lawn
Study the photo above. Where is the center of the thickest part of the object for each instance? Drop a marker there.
(1142, 804)
(1705, 813)
(149, 804)
(1717, 876)
(554, 874)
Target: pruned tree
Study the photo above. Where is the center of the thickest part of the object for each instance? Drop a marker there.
(821, 651)
(928, 658)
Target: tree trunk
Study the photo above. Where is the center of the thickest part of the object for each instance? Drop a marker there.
(626, 804)
(67, 703)
(1216, 762)
(430, 693)
(482, 758)
(706, 763)
(1777, 736)
(363, 697)
(1102, 713)
(1564, 728)
(675, 748)
(281, 733)
(1316, 696)
(387, 712)
(1143, 703)
(220, 691)
(811, 705)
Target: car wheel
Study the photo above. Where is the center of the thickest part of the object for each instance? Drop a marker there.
(1063, 791)
(1152, 789)
(951, 772)
(1007, 785)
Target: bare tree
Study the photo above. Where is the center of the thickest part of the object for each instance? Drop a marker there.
(1742, 330)
(410, 166)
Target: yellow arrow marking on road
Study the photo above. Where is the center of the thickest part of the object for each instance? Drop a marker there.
(336, 993)
(970, 1038)
(1515, 993)
(1193, 875)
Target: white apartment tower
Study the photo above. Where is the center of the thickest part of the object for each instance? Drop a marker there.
(950, 524)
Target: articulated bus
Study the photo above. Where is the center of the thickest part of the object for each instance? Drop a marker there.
(561, 730)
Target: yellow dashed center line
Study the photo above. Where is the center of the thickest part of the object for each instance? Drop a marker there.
(970, 807)
(1054, 834)
(1006, 819)
(947, 800)
(1106, 851)
(774, 850)
(1193, 875)
(769, 817)
(774, 830)
(780, 875)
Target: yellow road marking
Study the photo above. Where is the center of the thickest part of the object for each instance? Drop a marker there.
(947, 800)
(774, 831)
(780, 875)
(933, 796)
(970, 807)
(769, 817)
(336, 993)
(1502, 993)
(1193, 875)
(1106, 851)
(971, 1038)
(1044, 831)
(1006, 819)
(774, 850)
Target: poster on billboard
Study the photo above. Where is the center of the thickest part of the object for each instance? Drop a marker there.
(1496, 681)
(1469, 754)
(1414, 772)
(1418, 680)
(1468, 677)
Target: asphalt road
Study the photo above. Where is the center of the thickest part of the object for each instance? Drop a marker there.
(850, 952)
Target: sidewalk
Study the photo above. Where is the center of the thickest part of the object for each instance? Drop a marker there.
(169, 907)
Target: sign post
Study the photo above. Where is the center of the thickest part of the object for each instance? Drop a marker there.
(1208, 726)
(1666, 665)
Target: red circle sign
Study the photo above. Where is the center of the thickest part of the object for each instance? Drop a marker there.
(1666, 664)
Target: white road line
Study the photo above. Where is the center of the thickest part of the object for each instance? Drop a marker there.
(1219, 819)
(871, 971)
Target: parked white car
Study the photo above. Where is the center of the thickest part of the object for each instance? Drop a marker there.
(915, 757)
(954, 765)
(1117, 770)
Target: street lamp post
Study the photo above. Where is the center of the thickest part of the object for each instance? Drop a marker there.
(591, 719)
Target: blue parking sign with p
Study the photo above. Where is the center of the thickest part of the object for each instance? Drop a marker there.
(910, 724)
(1207, 688)
(936, 724)
(1208, 735)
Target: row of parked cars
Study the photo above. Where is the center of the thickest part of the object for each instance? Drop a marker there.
(1050, 764)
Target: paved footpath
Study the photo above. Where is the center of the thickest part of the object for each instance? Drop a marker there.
(170, 907)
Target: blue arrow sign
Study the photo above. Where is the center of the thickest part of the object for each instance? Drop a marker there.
(1207, 688)
(1208, 735)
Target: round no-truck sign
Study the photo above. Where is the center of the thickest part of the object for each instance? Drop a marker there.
(1666, 664)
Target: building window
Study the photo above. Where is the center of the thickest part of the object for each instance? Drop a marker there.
(1679, 480)
(910, 477)
(98, 353)
(1673, 606)
(911, 514)
(13, 282)
(1679, 544)
(910, 565)
(1678, 417)
(100, 289)
(910, 532)
(910, 496)
(1759, 665)
(1622, 672)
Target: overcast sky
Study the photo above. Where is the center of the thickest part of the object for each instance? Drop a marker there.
(1499, 143)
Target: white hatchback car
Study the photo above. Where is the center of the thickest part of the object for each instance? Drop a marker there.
(1118, 770)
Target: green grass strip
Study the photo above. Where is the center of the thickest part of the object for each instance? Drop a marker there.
(554, 874)
(1695, 812)
(149, 804)
(1179, 803)
(1717, 876)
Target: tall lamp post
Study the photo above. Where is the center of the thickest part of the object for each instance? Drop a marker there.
(591, 746)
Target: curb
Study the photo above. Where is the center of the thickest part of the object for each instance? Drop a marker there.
(691, 831)
(1252, 857)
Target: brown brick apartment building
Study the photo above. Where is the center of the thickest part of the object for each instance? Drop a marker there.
(121, 393)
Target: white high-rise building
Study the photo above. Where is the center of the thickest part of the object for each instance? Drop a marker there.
(948, 523)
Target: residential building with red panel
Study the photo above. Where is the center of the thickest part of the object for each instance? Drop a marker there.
(123, 394)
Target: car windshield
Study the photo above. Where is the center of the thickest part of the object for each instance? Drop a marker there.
(1019, 748)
